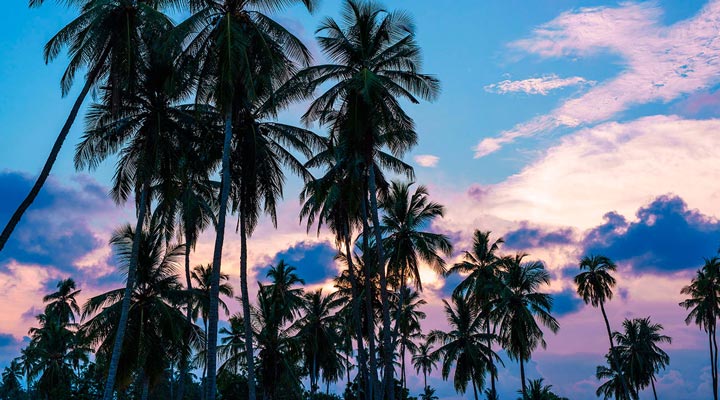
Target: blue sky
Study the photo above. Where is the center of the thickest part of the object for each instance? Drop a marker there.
(566, 126)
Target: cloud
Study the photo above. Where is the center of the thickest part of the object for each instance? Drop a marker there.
(315, 262)
(566, 302)
(661, 62)
(543, 85)
(667, 236)
(427, 160)
(527, 237)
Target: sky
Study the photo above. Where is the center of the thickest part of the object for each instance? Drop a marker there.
(566, 127)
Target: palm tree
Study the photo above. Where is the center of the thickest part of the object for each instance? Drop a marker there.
(232, 347)
(202, 276)
(376, 61)
(157, 328)
(408, 320)
(640, 353)
(538, 391)
(10, 387)
(704, 306)
(520, 306)
(425, 360)
(428, 394)
(106, 40)
(482, 264)
(594, 285)
(465, 345)
(144, 128)
(62, 304)
(613, 387)
(317, 331)
(240, 54)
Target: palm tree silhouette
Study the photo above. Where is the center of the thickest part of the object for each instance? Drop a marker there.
(594, 284)
(520, 306)
(63, 304)
(482, 264)
(464, 346)
(425, 360)
(375, 61)
(704, 306)
(640, 353)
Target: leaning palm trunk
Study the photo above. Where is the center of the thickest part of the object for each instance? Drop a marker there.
(492, 363)
(362, 370)
(387, 343)
(246, 307)
(129, 286)
(217, 260)
(715, 360)
(522, 378)
(17, 215)
(617, 367)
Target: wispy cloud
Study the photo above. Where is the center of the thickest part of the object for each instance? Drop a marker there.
(427, 160)
(661, 62)
(542, 85)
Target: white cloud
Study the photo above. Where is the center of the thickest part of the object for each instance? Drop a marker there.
(661, 62)
(427, 160)
(542, 85)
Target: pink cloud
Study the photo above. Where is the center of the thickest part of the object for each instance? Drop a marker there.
(661, 63)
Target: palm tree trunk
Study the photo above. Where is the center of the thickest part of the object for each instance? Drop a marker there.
(145, 387)
(712, 364)
(188, 282)
(492, 362)
(472, 379)
(522, 378)
(617, 367)
(715, 360)
(370, 315)
(217, 261)
(425, 377)
(402, 367)
(246, 307)
(389, 369)
(652, 383)
(130, 284)
(362, 371)
(45, 172)
(313, 374)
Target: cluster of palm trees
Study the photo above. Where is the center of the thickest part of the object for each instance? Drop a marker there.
(180, 103)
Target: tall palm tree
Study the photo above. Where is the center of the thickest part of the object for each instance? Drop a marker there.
(640, 353)
(376, 61)
(464, 346)
(157, 328)
(10, 386)
(144, 129)
(63, 304)
(317, 330)
(201, 277)
(425, 360)
(594, 284)
(106, 40)
(240, 54)
(519, 307)
(704, 306)
(482, 266)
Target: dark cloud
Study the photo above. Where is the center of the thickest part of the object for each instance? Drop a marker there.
(667, 236)
(566, 302)
(53, 231)
(529, 237)
(449, 285)
(314, 261)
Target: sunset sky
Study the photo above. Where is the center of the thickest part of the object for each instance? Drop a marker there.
(566, 127)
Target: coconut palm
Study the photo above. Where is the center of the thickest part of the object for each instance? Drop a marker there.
(10, 387)
(428, 394)
(240, 54)
(408, 320)
(538, 391)
(613, 387)
(232, 345)
(201, 277)
(424, 360)
(704, 305)
(157, 329)
(482, 266)
(520, 306)
(464, 346)
(640, 353)
(63, 304)
(317, 331)
(106, 40)
(594, 284)
(375, 62)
